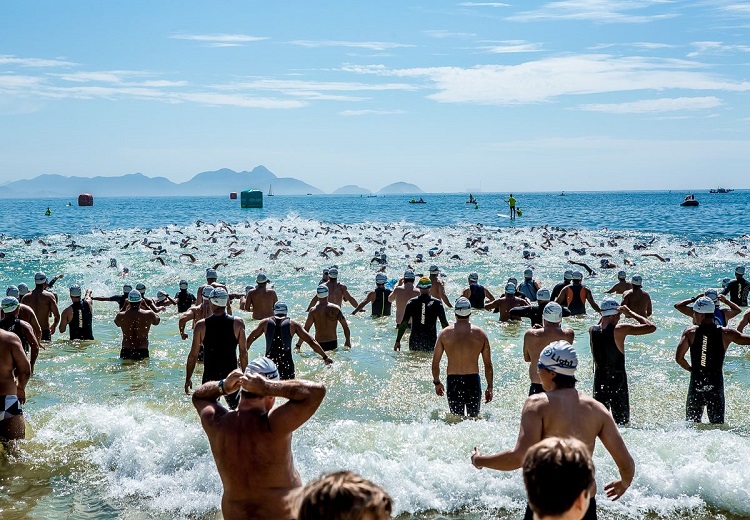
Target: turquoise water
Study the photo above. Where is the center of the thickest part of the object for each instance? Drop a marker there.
(114, 439)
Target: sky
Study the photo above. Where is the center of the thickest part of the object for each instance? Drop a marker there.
(577, 95)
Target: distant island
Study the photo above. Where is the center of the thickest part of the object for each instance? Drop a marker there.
(211, 183)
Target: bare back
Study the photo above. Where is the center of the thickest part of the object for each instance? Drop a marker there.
(42, 303)
(506, 303)
(401, 295)
(11, 355)
(325, 318)
(262, 301)
(638, 301)
(534, 342)
(135, 323)
(336, 293)
(463, 344)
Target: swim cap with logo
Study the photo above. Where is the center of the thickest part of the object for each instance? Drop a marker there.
(434, 269)
(609, 307)
(219, 297)
(740, 269)
(280, 309)
(22, 289)
(12, 290)
(510, 289)
(528, 273)
(568, 275)
(261, 278)
(622, 275)
(409, 275)
(75, 290)
(473, 277)
(322, 291)
(704, 305)
(380, 278)
(559, 357)
(207, 290)
(424, 283)
(637, 280)
(127, 288)
(40, 278)
(713, 294)
(211, 274)
(462, 307)
(134, 296)
(543, 295)
(577, 275)
(333, 273)
(552, 312)
(9, 304)
(264, 367)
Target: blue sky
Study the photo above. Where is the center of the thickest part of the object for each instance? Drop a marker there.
(452, 96)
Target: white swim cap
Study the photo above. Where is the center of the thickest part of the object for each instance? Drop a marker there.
(22, 289)
(622, 275)
(207, 290)
(264, 367)
(704, 305)
(380, 278)
(552, 312)
(248, 288)
(577, 275)
(211, 274)
(40, 278)
(75, 290)
(559, 357)
(161, 296)
(473, 277)
(409, 275)
(528, 273)
(543, 295)
(462, 307)
(12, 290)
(740, 269)
(261, 278)
(434, 269)
(609, 307)
(568, 275)
(134, 296)
(127, 288)
(510, 289)
(713, 294)
(9, 304)
(140, 287)
(280, 309)
(637, 280)
(219, 297)
(333, 272)
(322, 291)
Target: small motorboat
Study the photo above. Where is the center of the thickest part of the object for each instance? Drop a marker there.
(689, 201)
(721, 190)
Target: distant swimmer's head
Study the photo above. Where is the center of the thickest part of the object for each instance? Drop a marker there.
(333, 273)
(211, 275)
(263, 367)
(543, 295)
(621, 275)
(409, 275)
(280, 309)
(552, 312)
(739, 270)
(22, 289)
(381, 279)
(127, 288)
(604, 262)
(113, 262)
(568, 275)
(473, 277)
(713, 294)
(75, 291)
(219, 297)
(322, 291)
(206, 291)
(40, 278)
(462, 307)
(434, 269)
(609, 307)
(637, 280)
(9, 304)
(261, 278)
(424, 283)
(577, 276)
(559, 357)
(248, 288)
(183, 285)
(161, 296)
(510, 288)
(704, 305)
(420, 256)
(12, 290)
(140, 287)
(528, 274)
(134, 296)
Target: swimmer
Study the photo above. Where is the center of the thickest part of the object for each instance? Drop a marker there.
(15, 371)
(146, 303)
(463, 344)
(261, 299)
(437, 290)
(403, 293)
(11, 322)
(738, 288)
(622, 284)
(121, 299)
(25, 313)
(506, 302)
(163, 300)
(590, 271)
(184, 298)
(78, 315)
(477, 294)
(378, 297)
(575, 296)
(135, 323)
(423, 312)
(636, 299)
(211, 277)
(43, 304)
(196, 312)
(338, 291)
(567, 279)
(536, 339)
(325, 317)
(536, 312)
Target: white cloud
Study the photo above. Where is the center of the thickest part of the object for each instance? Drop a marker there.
(550, 78)
(14, 82)
(739, 8)
(442, 33)
(483, 4)
(291, 84)
(511, 46)
(655, 105)
(375, 46)
(606, 11)
(220, 40)
(370, 112)
(716, 48)
(34, 62)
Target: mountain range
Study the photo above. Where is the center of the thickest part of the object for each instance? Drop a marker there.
(212, 183)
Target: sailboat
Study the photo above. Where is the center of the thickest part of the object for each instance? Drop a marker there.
(270, 190)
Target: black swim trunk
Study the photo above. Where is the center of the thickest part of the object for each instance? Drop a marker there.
(136, 354)
(46, 335)
(464, 392)
(233, 400)
(611, 389)
(590, 512)
(329, 345)
(709, 396)
(535, 388)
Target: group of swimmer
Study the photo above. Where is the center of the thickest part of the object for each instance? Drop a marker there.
(220, 342)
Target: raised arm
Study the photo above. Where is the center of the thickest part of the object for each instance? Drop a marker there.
(304, 398)
(645, 326)
(733, 309)
(683, 306)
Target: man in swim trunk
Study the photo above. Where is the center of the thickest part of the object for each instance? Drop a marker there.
(135, 323)
(636, 299)
(261, 299)
(403, 293)
(463, 344)
(43, 303)
(423, 312)
(12, 322)
(15, 371)
(536, 339)
(325, 317)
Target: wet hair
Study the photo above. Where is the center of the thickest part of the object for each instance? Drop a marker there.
(343, 495)
(555, 472)
(563, 381)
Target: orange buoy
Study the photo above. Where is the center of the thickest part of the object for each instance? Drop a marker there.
(85, 199)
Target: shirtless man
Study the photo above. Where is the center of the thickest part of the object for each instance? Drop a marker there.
(12, 322)
(622, 284)
(636, 299)
(196, 312)
(135, 323)
(463, 344)
(403, 293)
(121, 299)
(562, 411)
(438, 287)
(211, 277)
(506, 302)
(261, 299)
(43, 303)
(325, 316)
(337, 291)
(15, 371)
(25, 313)
(535, 340)
(252, 447)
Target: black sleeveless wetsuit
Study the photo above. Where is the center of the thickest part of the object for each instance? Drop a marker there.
(184, 300)
(220, 352)
(707, 375)
(476, 298)
(13, 325)
(279, 346)
(738, 291)
(610, 379)
(81, 324)
(424, 311)
(381, 306)
(576, 303)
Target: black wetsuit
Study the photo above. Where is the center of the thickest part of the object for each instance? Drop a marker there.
(476, 296)
(464, 391)
(121, 299)
(279, 346)
(11, 324)
(81, 324)
(558, 288)
(424, 311)
(610, 379)
(738, 291)
(534, 312)
(184, 300)
(220, 352)
(381, 306)
(707, 375)
(577, 303)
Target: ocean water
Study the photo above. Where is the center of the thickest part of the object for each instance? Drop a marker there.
(108, 438)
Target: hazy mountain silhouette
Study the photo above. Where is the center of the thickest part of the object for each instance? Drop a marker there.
(400, 188)
(352, 189)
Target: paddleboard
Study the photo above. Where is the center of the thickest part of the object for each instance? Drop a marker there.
(503, 216)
